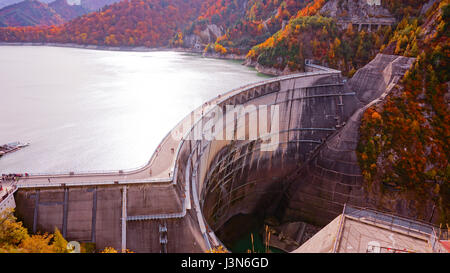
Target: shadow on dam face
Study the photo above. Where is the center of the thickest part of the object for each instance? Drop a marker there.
(244, 199)
(246, 205)
(245, 233)
(241, 216)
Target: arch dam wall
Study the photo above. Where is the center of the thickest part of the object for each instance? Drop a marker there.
(305, 171)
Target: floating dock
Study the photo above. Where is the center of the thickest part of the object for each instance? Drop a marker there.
(11, 147)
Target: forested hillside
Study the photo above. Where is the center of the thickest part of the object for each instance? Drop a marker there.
(329, 32)
(405, 141)
(150, 23)
(238, 24)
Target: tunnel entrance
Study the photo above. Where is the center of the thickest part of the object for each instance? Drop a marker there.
(252, 233)
(246, 233)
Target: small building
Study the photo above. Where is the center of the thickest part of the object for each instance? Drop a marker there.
(361, 230)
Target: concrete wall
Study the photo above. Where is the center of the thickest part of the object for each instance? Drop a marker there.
(313, 172)
(236, 177)
(84, 214)
(94, 214)
(332, 177)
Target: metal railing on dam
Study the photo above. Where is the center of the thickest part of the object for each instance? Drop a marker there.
(227, 97)
(392, 221)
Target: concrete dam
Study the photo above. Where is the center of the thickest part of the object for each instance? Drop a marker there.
(197, 193)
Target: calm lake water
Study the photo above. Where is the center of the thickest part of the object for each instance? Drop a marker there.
(86, 110)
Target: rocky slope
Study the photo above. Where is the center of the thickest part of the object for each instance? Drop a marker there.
(66, 11)
(233, 27)
(350, 11)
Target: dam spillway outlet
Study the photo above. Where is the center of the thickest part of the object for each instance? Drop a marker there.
(244, 197)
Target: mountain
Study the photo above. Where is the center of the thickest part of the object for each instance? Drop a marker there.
(37, 13)
(29, 13)
(66, 11)
(150, 23)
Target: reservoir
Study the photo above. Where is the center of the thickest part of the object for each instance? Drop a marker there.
(93, 110)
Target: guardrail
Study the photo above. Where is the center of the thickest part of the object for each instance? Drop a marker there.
(390, 220)
(93, 183)
(436, 236)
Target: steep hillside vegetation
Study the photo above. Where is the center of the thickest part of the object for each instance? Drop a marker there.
(14, 238)
(319, 38)
(405, 141)
(234, 26)
(332, 33)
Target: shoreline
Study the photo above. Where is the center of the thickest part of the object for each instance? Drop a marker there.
(91, 47)
(232, 57)
(268, 70)
(130, 49)
(260, 69)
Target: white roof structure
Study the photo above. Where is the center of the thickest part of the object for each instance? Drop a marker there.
(359, 230)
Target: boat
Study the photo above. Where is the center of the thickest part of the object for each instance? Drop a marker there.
(12, 147)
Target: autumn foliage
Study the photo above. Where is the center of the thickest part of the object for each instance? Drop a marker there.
(319, 38)
(150, 23)
(14, 238)
(405, 141)
(244, 26)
